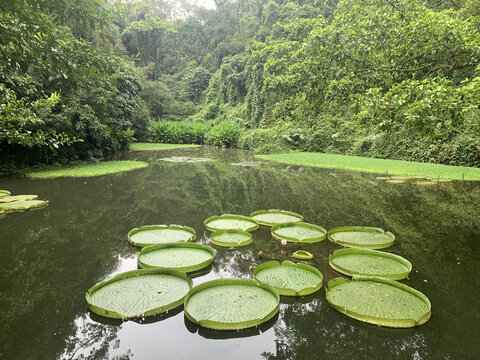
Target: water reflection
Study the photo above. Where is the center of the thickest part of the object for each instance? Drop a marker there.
(51, 257)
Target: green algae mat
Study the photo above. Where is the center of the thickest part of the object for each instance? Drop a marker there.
(379, 301)
(361, 237)
(380, 166)
(231, 304)
(186, 257)
(371, 263)
(160, 234)
(230, 222)
(275, 216)
(156, 146)
(288, 278)
(88, 170)
(231, 238)
(302, 233)
(138, 293)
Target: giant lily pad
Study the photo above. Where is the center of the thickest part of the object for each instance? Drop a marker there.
(302, 233)
(160, 234)
(138, 293)
(229, 238)
(4, 193)
(23, 205)
(230, 222)
(288, 278)
(186, 257)
(274, 216)
(231, 304)
(185, 159)
(303, 255)
(14, 198)
(361, 237)
(370, 262)
(379, 301)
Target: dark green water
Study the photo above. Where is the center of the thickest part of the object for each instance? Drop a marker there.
(50, 257)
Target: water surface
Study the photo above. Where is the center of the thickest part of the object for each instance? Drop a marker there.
(50, 257)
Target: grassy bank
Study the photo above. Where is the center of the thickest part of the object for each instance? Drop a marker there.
(155, 146)
(87, 170)
(380, 166)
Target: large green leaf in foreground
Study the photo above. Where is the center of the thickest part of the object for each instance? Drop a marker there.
(138, 293)
(288, 278)
(275, 216)
(178, 256)
(160, 234)
(303, 233)
(231, 304)
(23, 205)
(231, 238)
(230, 222)
(370, 262)
(361, 237)
(379, 301)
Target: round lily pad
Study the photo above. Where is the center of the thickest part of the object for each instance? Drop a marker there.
(379, 301)
(302, 254)
(138, 293)
(274, 216)
(383, 177)
(361, 237)
(288, 278)
(426, 183)
(371, 263)
(229, 238)
(396, 181)
(15, 198)
(231, 304)
(186, 257)
(23, 205)
(230, 222)
(4, 193)
(160, 234)
(303, 233)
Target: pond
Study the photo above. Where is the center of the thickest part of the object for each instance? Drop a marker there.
(50, 257)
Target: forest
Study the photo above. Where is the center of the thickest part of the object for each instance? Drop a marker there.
(395, 79)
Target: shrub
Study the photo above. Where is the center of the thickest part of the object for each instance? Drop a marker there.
(224, 134)
(178, 132)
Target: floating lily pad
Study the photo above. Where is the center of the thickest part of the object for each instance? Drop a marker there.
(185, 159)
(444, 180)
(2, 214)
(186, 257)
(229, 238)
(138, 293)
(231, 304)
(402, 178)
(274, 216)
(379, 301)
(299, 232)
(426, 183)
(160, 234)
(230, 222)
(23, 205)
(288, 278)
(396, 181)
(4, 193)
(13, 198)
(383, 177)
(371, 263)
(302, 254)
(248, 163)
(361, 237)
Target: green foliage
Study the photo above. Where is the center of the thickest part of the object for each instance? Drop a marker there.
(178, 132)
(223, 134)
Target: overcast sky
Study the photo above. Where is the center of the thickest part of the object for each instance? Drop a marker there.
(210, 4)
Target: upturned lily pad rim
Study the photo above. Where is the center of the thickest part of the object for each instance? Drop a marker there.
(4, 193)
(394, 323)
(289, 291)
(362, 229)
(302, 255)
(177, 245)
(216, 325)
(274, 211)
(134, 273)
(370, 252)
(230, 244)
(231, 216)
(8, 207)
(296, 240)
(159, 227)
